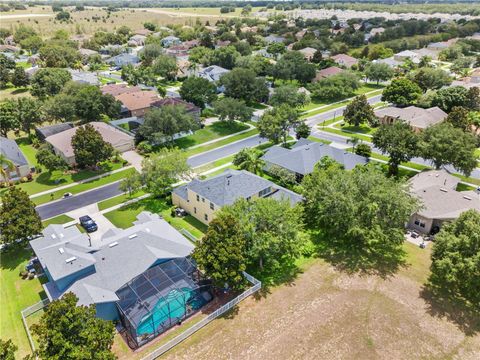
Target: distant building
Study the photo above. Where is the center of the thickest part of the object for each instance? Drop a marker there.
(117, 89)
(137, 40)
(436, 190)
(86, 53)
(407, 54)
(212, 73)
(170, 40)
(202, 198)
(84, 77)
(300, 160)
(12, 152)
(137, 103)
(170, 101)
(418, 118)
(123, 59)
(344, 60)
(62, 141)
(143, 32)
(270, 39)
(324, 73)
(308, 53)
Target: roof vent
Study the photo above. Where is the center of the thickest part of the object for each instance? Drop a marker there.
(115, 243)
(443, 189)
(147, 230)
(133, 236)
(71, 260)
(61, 236)
(54, 236)
(467, 197)
(61, 251)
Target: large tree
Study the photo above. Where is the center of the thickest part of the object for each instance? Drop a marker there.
(360, 210)
(163, 169)
(379, 72)
(230, 109)
(19, 220)
(198, 91)
(221, 252)
(402, 92)
(19, 77)
(398, 141)
(276, 123)
(431, 79)
(47, 158)
(224, 57)
(293, 66)
(90, 103)
(273, 231)
(29, 113)
(336, 87)
(459, 118)
(89, 147)
(447, 98)
(162, 123)
(165, 66)
(359, 111)
(8, 117)
(243, 84)
(444, 144)
(455, 267)
(7, 350)
(49, 81)
(288, 94)
(67, 331)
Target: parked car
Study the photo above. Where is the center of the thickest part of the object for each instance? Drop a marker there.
(88, 224)
(179, 212)
(67, 195)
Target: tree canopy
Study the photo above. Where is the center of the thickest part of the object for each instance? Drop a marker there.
(359, 111)
(198, 91)
(49, 81)
(89, 147)
(275, 123)
(230, 109)
(288, 94)
(67, 331)
(243, 84)
(402, 92)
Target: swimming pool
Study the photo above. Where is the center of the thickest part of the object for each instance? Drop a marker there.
(163, 312)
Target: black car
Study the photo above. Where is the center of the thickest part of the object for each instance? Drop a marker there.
(88, 224)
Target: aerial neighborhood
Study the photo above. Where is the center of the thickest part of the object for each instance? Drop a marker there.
(239, 180)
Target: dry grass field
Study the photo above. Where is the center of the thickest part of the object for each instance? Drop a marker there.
(327, 314)
(42, 19)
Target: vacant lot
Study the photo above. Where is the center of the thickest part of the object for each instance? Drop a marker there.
(326, 314)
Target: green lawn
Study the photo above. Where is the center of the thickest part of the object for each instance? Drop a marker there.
(125, 216)
(60, 219)
(313, 138)
(28, 150)
(15, 295)
(214, 164)
(345, 133)
(362, 129)
(211, 132)
(83, 186)
(120, 199)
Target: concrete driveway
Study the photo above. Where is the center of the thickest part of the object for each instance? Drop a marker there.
(134, 158)
(103, 223)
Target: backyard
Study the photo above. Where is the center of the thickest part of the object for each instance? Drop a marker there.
(15, 295)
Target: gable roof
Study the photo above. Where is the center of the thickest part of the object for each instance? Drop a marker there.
(9, 148)
(170, 101)
(121, 257)
(124, 59)
(330, 71)
(344, 59)
(429, 178)
(212, 72)
(117, 89)
(63, 140)
(414, 116)
(231, 185)
(303, 156)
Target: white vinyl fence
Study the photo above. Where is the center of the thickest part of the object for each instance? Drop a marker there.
(29, 311)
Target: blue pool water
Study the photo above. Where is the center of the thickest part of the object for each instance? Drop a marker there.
(160, 312)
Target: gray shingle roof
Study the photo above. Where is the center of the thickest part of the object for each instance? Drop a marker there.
(414, 116)
(231, 185)
(12, 152)
(303, 156)
(123, 255)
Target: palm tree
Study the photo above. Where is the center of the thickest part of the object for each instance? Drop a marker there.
(6, 167)
(250, 159)
(354, 141)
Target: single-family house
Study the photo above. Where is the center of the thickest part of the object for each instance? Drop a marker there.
(118, 89)
(416, 117)
(9, 49)
(377, 31)
(440, 202)
(213, 73)
(302, 157)
(391, 62)
(62, 142)
(308, 52)
(86, 53)
(300, 34)
(407, 54)
(137, 103)
(137, 40)
(9, 40)
(143, 32)
(173, 101)
(202, 198)
(170, 40)
(126, 275)
(10, 150)
(432, 54)
(344, 60)
(270, 39)
(46, 131)
(324, 73)
(84, 77)
(123, 59)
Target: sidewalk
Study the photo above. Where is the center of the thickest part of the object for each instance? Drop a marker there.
(79, 182)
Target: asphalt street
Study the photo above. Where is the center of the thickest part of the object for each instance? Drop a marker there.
(59, 207)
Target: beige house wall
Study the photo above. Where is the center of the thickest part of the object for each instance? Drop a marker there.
(422, 220)
(197, 208)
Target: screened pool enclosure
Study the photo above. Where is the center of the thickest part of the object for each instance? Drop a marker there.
(160, 298)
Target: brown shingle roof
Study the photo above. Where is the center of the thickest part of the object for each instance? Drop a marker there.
(138, 100)
(117, 89)
(175, 101)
